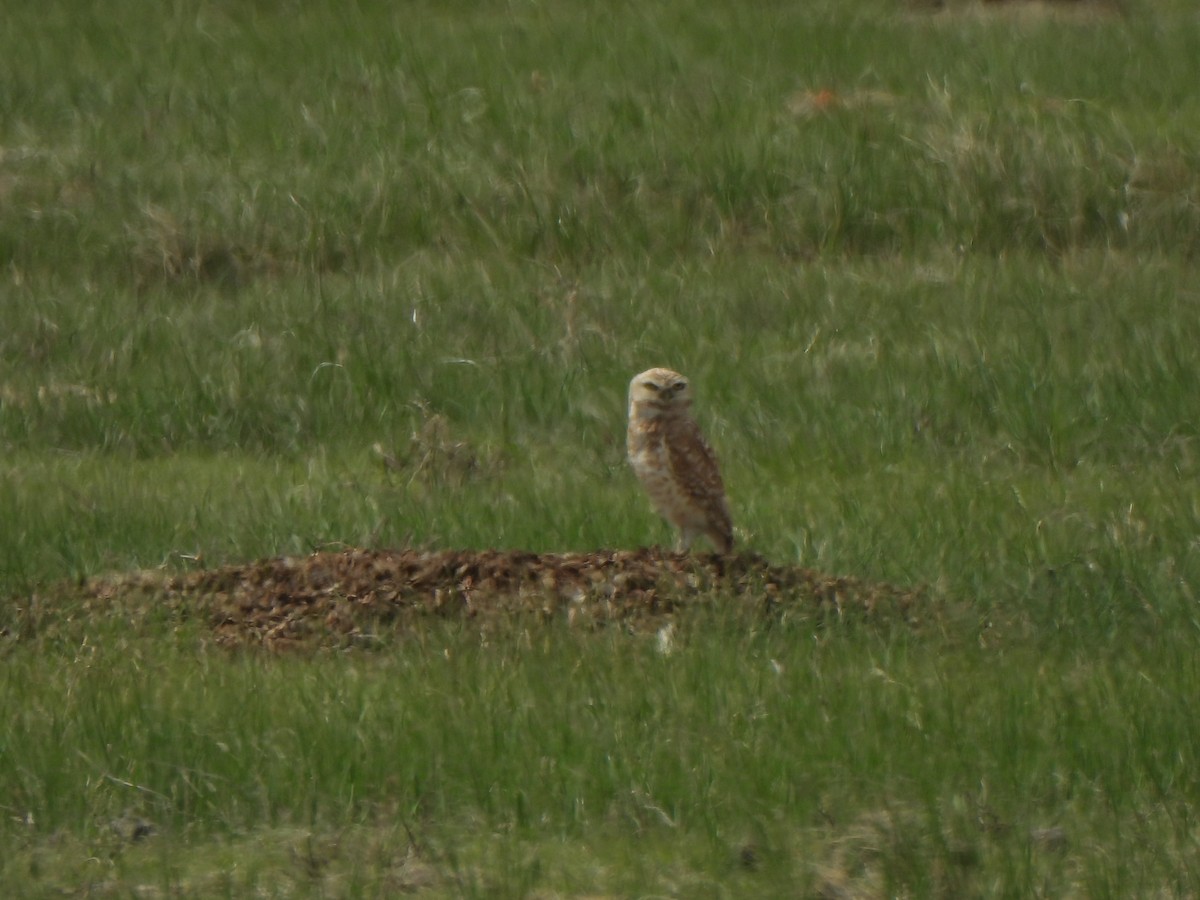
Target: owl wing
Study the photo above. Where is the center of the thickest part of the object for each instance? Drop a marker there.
(694, 467)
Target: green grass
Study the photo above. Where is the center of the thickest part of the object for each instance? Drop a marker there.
(941, 323)
(746, 757)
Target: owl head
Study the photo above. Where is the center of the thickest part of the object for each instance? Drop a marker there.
(657, 391)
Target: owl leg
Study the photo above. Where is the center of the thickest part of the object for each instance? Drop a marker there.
(687, 537)
(722, 541)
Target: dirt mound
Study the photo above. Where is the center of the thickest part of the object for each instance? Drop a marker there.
(347, 596)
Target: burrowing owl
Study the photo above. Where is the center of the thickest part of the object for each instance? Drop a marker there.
(673, 462)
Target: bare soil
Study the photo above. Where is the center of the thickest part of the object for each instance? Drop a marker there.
(352, 596)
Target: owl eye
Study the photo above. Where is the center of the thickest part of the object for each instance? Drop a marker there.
(651, 385)
(678, 386)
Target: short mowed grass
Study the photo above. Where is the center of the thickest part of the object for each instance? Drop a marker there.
(283, 277)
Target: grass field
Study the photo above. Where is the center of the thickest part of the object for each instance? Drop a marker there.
(934, 275)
